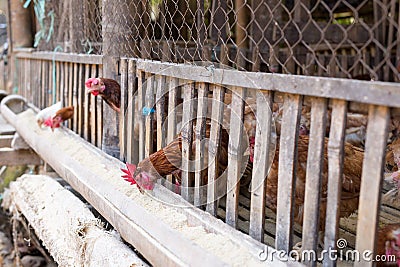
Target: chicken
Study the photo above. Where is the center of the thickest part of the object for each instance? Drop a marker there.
(108, 89)
(393, 156)
(47, 113)
(168, 161)
(61, 115)
(388, 245)
(353, 159)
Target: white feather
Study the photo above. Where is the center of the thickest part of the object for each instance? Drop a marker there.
(48, 112)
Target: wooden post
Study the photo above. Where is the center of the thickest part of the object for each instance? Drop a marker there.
(19, 31)
(115, 45)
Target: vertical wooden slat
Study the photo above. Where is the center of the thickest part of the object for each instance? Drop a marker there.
(80, 88)
(50, 85)
(99, 115)
(200, 131)
(287, 171)
(172, 101)
(45, 89)
(132, 144)
(160, 104)
(28, 80)
(86, 104)
(43, 86)
(34, 73)
(172, 84)
(141, 94)
(213, 145)
(187, 139)
(235, 155)
(313, 176)
(371, 180)
(38, 83)
(62, 84)
(261, 165)
(75, 97)
(124, 104)
(335, 172)
(93, 107)
(58, 81)
(22, 75)
(69, 90)
(149, 114)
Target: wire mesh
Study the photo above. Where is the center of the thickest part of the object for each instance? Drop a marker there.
(347, 38)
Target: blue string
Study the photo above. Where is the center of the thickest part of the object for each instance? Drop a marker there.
(147, 111)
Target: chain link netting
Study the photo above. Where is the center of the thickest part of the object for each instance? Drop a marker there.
(347, 38)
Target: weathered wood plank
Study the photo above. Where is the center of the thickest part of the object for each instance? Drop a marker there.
(335, 172)
(93, 107)
(5, 140)
(148, 113)
(160, 104)
(371, 180)
(70, 91)
(313, 176)
(50, 89)
(213, 145)
(58, 82)
(62, 84)
(200, 131)
(64, 57)
(172, 102)
(67, 91)
(11, 157)
(187, 139)
(124, 105)
(75, 102)
(262, 162)
(80, 107)
(172, 110)
(235, 155)
(287, 171)
(43, 86)
(99, 115)
(379, 93)
(132, 145)
(141, 95)
(87, 105)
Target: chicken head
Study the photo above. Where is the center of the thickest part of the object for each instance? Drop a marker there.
(389, 243)
(133, 175)
(95, 86)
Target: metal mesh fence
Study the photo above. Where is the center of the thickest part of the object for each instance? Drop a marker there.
(347, 38)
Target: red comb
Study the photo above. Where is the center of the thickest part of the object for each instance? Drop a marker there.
(48, 122)
(89, 82)
(129, 172)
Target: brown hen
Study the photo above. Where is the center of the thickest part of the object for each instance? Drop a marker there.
(353, 159)
(388, 245)
(108, 89)
(168, 160)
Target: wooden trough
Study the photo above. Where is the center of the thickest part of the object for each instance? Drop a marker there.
(165, 234)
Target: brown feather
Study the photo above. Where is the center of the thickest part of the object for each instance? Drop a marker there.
(350, 187)
(65, 113)
(386, 233)
(168, 160)
(112, 93)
